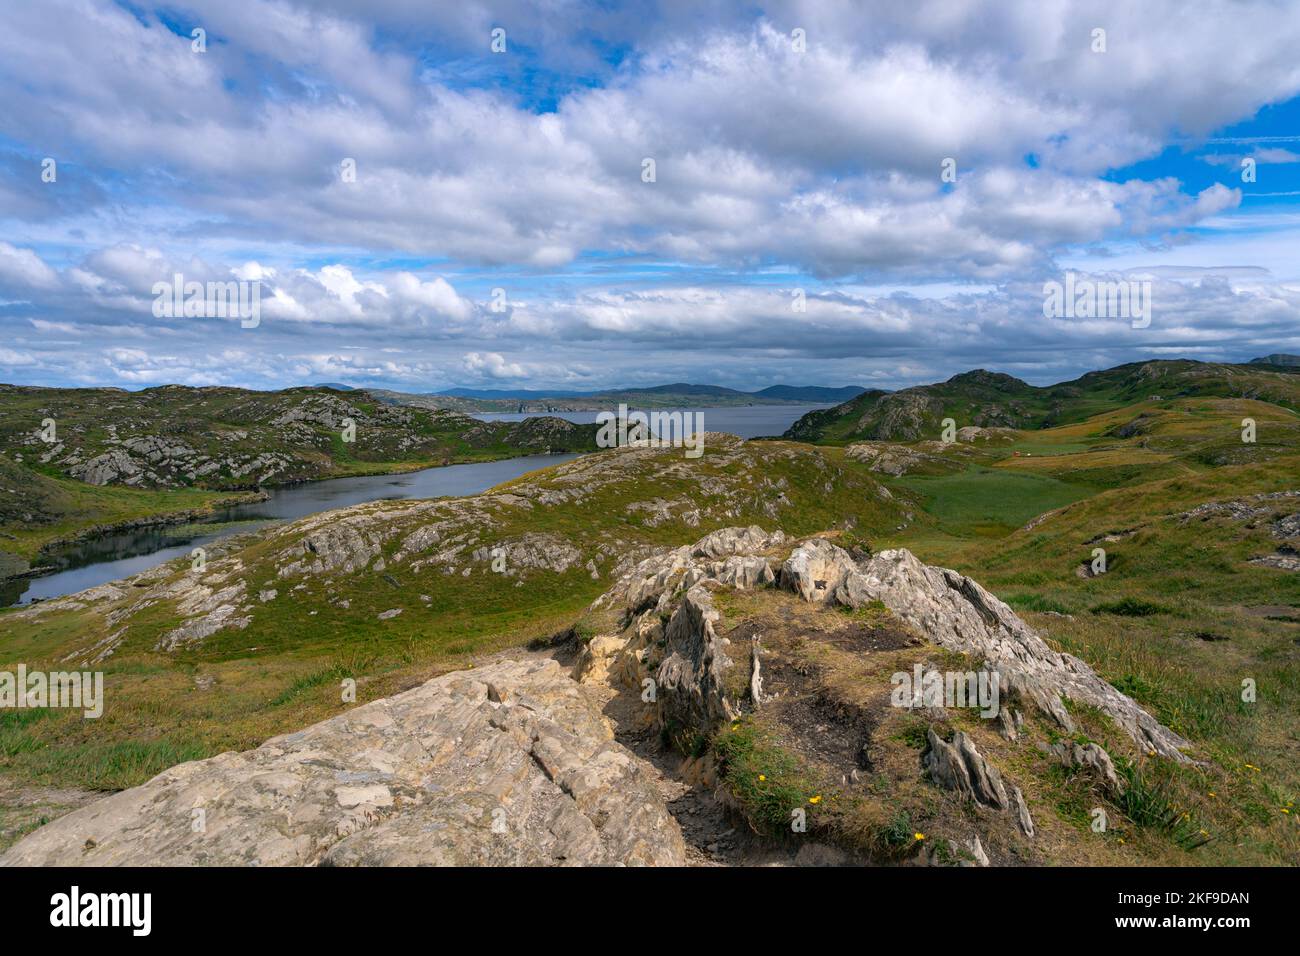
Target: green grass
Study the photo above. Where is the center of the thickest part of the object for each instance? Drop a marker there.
(768, 782)
(989, 502)
(1130, 607)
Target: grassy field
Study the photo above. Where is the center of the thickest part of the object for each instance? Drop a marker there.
(1181, 618)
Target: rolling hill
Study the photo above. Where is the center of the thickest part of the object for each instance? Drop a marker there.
(994, 400)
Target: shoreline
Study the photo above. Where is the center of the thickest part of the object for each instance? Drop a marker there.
(237, 497)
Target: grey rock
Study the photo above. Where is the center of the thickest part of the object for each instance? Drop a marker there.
(1025, 821)
(1090, 757)
(955, 612)
(509, 765)
(691, 677)
(816, 569)
(961, 767)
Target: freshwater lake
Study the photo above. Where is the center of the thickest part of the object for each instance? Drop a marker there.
(95, 561)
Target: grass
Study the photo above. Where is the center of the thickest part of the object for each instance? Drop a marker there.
(1130, 607)
(768, 782)
(988, 502)
(1151, 804)
(40, 510)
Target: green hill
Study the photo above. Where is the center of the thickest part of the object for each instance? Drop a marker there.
(994, 400)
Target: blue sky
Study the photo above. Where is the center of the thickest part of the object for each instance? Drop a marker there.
(797, 146)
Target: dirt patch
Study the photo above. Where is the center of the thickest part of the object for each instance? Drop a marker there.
(822, 727)
(865, 638)
(815, 721)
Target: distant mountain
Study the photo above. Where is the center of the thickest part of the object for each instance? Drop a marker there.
(523, 394)
(503, 393)
(337, 386)
(672, 393)
(811, 393)
(1277, 358)
(992, 399)
(682, 388)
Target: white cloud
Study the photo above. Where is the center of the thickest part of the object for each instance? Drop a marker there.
(23, 269)
(492, 365)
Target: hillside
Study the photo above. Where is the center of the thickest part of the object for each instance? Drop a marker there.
(1278, 358)
(994, 400)
(125, 459)
(230, 438)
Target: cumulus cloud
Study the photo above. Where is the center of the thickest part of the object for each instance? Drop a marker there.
(23, 269)
(820, 164)
(492, 365)
(757, 145)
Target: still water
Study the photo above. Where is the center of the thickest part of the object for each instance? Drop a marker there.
(99, 560)
(108, 558)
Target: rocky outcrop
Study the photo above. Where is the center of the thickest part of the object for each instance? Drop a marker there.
(508, 765)
(737, 557)
(531, 552)
(941, 605)
(960, 767)
(955, 612)
(692, 677)
(1091, 758)
(888, 459)
(112, 467)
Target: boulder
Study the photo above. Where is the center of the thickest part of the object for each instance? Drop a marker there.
(692, 687)
(508, 765)
(816, 569)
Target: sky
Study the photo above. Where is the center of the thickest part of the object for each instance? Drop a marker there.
(585, 194)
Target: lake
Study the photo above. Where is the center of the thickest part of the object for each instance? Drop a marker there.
(110, 557)
(107, 558)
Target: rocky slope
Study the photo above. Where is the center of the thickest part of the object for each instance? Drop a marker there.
(513, 764)
(508, 765)
(227, 438)
(578, 522)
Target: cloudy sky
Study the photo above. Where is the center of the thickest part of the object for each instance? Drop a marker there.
(421, 211)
